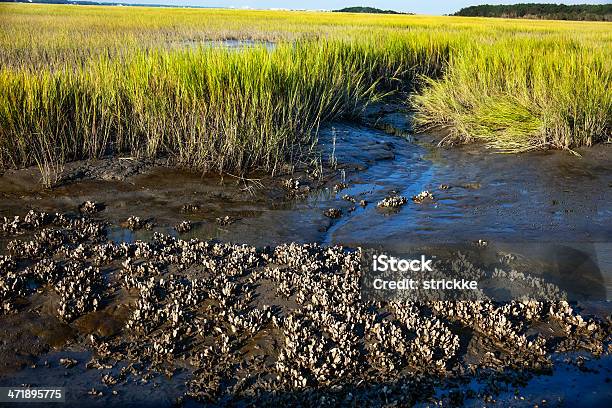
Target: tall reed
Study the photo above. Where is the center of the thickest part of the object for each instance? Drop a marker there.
(210, 108)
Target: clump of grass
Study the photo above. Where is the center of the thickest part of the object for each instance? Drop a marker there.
(209, 108)
(50, 163)
(521, 94)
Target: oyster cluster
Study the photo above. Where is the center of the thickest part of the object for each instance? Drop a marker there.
(333, 213)
(340, 186)
(271, 325)
(134, 223)
(349, 198)
(77, 289)
(392, 201)
(183, 227)
(74, 282)
(225, 220)
(32, 220)
(296, 187)
(68, 362)
(190, 208)
(423, 196)
(291, 184)
(91, 207)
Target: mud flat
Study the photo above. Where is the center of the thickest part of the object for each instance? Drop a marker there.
(235, 323)
(106, 290)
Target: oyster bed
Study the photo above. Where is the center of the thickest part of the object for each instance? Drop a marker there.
(238, 324)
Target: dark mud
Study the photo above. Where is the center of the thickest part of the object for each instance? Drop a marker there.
(231, 324)
(170, 319)
(94, 386)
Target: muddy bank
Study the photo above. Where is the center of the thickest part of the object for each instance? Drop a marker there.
(538, 197)
(538, 204)
(172, 286)
(210, 322)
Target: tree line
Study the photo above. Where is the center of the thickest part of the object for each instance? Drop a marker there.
(370, 10)
(595, 12)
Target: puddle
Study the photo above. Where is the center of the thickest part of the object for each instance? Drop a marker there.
(131, 391)
(234, 45)
(568, 385)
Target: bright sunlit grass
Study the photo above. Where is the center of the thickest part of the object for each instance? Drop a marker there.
(78, 82)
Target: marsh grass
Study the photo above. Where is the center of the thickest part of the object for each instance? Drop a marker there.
(96, 81)
(50, 163)
(209, 108)
(522, 94)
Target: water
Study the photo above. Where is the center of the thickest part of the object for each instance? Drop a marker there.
(130, 391)
(234, 45)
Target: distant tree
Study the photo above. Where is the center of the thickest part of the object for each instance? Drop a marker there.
(370, 10)
(595, 12)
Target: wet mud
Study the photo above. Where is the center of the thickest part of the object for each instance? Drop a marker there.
(168, 286)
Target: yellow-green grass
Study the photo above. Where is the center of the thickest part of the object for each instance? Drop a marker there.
(81, 81)
(522, 94)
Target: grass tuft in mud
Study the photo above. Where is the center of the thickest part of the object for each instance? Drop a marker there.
(522, 94)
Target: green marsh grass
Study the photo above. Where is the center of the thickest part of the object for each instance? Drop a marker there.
(94, 81)
(522, 94)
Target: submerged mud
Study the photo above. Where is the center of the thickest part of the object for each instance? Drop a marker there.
(134, 282)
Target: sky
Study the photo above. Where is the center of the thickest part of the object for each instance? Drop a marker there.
(415, 6)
